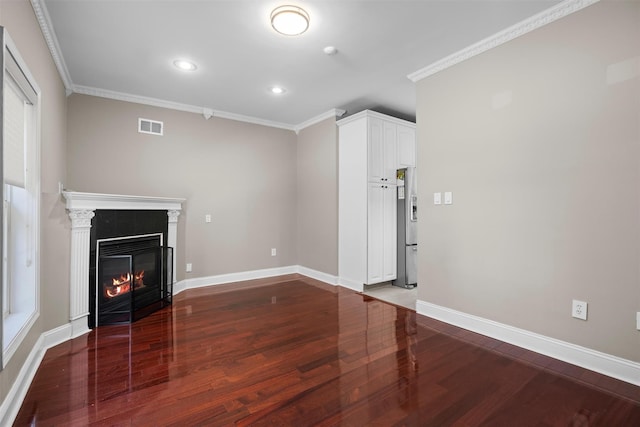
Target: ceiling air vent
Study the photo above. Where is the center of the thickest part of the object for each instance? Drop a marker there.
(152, 127)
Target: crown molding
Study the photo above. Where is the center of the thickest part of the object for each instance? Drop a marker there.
(335, 112)
(42, 14)
(254, 120)
(541, 19)
(155, 102)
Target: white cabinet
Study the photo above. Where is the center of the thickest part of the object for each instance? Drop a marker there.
(368, 153)
(381, 233)
(406, 137)
(382, 151)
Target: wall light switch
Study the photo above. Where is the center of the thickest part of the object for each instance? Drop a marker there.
(189, 267)
(207, 218)
(273, 251)
(448, 198)
(638, 320)
(437, 198)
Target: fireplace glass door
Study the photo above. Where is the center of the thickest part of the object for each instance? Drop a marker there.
(133, 285)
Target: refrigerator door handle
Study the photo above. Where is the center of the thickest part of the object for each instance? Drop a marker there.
(413, 208)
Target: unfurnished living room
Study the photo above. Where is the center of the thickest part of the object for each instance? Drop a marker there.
(300, 213)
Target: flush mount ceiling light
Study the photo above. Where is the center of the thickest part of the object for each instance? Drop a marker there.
(290, 20)
(277, 90)
(185, 65)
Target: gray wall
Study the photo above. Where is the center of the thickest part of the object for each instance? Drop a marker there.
(539, 141)
(244, 175)
(318, 197)
(19, 20)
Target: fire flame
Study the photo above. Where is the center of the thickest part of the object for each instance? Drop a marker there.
(121, 285)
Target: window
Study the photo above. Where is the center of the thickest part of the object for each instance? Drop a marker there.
(20, 191)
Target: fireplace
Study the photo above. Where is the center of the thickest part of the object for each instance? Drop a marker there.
(105, 216)
(133, 278)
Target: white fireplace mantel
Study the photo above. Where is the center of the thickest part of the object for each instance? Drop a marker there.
(82, 207)
(93, 201)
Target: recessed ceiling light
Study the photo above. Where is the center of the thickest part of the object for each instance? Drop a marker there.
(290, 20)
(277, 90)
(330, 50)
(185, 65)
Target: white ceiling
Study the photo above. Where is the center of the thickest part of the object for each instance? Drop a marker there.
(129, 46)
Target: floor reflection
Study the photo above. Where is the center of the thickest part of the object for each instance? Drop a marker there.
(301, 353)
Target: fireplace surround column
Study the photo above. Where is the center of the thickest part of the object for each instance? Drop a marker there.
(172, 237)
(79, 270)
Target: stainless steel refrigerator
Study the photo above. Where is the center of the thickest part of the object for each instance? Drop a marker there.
(407, 205)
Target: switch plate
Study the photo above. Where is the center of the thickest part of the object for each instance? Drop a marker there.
(579, 309)
(448, 198)
(437, 198)
(273, 251)
(207, 218)
(638, 320)
(189, 267)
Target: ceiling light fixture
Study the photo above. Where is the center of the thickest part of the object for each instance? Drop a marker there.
(277, 90)
(290, 20)
(185, 65)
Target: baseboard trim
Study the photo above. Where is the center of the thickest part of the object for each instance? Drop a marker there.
(236, 277)
(606, 364)
(351, 284)
(13, 400)
(317, 275)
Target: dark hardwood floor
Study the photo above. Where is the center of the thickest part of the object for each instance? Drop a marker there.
(294, 352)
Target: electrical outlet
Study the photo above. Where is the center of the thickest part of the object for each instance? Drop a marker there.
(579, 309)
(273, 251)
(189, 267)
(638, 320)
(207, 218)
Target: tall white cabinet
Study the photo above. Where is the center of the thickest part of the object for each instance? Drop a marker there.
(372, 146)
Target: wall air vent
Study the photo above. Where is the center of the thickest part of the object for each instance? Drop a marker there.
(152, 127)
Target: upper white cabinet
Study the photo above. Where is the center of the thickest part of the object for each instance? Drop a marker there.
(382, 151)
(369, 153)
(406, 136)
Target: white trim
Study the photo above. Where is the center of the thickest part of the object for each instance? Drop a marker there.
(155, 102)
(351, 284)
(587, 358)
(44, 20)
(541, 19)
(317, 275)
(57, 336)
(336, 112)
(92, 201)
(253, 120)
(375, 114)
(79, 326)
(19, 337)
(14, 398)
(201, 282)
(235, 277)
(179, 287)
(33, 187)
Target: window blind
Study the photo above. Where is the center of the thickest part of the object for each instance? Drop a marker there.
(14, 134)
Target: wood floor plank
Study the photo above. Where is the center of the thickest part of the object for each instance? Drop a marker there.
(296, 352)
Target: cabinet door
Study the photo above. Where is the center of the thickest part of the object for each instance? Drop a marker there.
(382, 233)
(390, 233)
(375, 150)
(390, 154)
(406, 146)
(375, 233)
